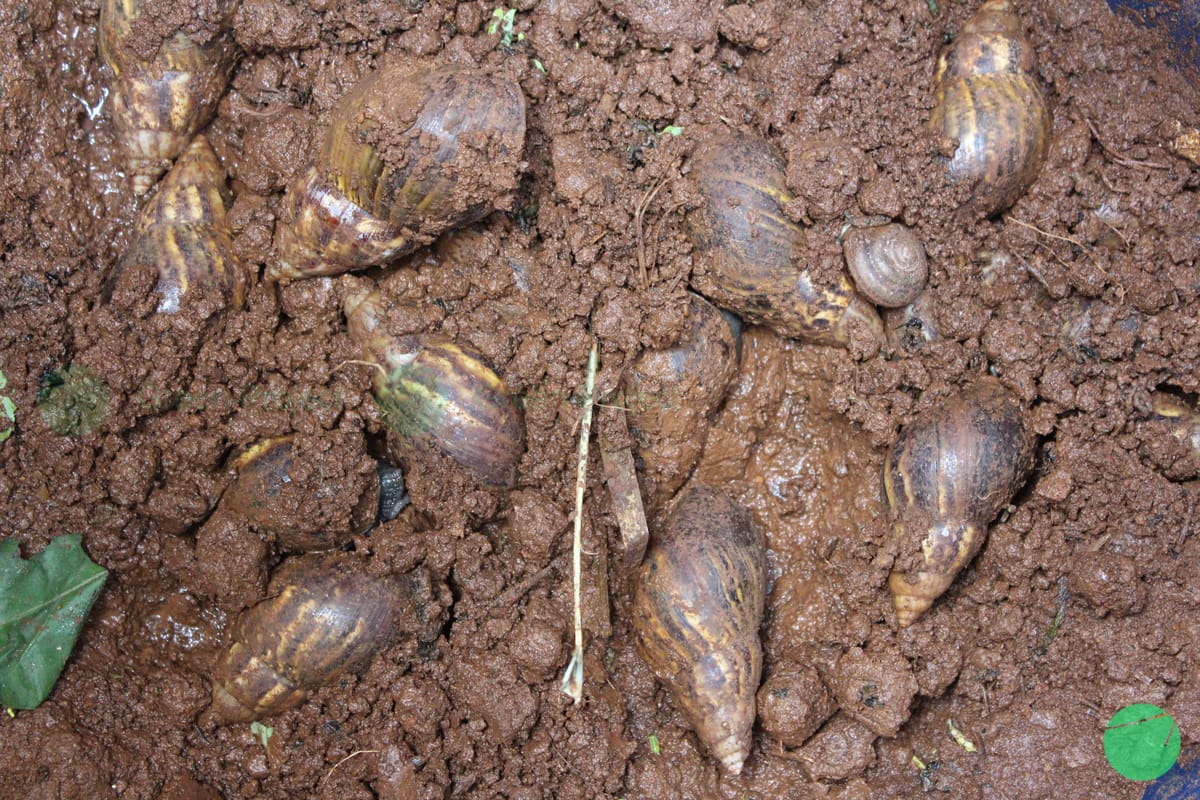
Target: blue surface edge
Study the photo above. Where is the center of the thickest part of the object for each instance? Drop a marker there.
(1181, 19)
(1181, 782)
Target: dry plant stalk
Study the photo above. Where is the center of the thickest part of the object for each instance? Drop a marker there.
(572, 680)
(620, 471)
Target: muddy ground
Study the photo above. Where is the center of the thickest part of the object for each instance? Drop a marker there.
(1082, 299)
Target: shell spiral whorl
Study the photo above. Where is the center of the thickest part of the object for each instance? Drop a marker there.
(952, 470)
(750, 253)
(324, 616)
(160, 103)
(697, 607)
(435, 393)
(407, 156)
(990, 104)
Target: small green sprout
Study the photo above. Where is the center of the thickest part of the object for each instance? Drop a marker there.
(263, 732)
(674, 130)
(654, 747)
(537, 64)
(8, 409)
(12, 714)
(503, 20)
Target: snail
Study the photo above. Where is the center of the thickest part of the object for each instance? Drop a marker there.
(183, 235)
(407, 156)
(160, 103)
(275, 493)
(951, 471)
(887, 263)
(751, 251)
(1170, 436)
(697, 607)
(672, 395)
(434, 393)
(991, 110)
(324, 616)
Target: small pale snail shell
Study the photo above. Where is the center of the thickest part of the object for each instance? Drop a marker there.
(698, 603)
(158, 105)
(750, 252)
(407, 156)
(434, 393)
(673, 394)
(951, 471)
(989, 102)
(183, 234)
(887, 263)
(324, 616)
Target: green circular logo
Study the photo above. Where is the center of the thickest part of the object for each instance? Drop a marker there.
(1141, 742)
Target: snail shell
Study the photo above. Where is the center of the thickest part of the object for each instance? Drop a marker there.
(406, 157)
(697, 607)
(183, 234)
(1170, 437)
(990, 104)
(887, 263)
(276, 494)
(434, 393)
(673, 394)
(323, 616)
(952, 470)
(158, 105)
(750, 250)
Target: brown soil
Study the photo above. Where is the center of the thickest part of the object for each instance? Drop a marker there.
(1082, 300)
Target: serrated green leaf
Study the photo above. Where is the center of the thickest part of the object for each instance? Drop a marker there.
(43, 604)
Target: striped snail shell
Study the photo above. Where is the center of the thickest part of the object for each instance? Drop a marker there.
(275, 491)
(698, 603)
(324, 616)
(951, 471)
(673, 394)
(991, 109)
(750, 251)
(182, 234)
(407, 156)
(160, 103)
(435, 393)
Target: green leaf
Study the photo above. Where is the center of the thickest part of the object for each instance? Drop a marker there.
(263, 732)
(43, 603)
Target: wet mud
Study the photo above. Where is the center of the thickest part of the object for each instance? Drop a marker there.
(1081, 299)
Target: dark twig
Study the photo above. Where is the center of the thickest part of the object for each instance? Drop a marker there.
(639, 215)
(1120, 159)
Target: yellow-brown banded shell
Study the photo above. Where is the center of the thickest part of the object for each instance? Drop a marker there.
(750, 252)
(952, 470)
(160, 103)
(435, 393)
(275, 493)
(989, 102)
(697, 607)
(672, 395)
(324, 616)
(183, 234)
(407, 156)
